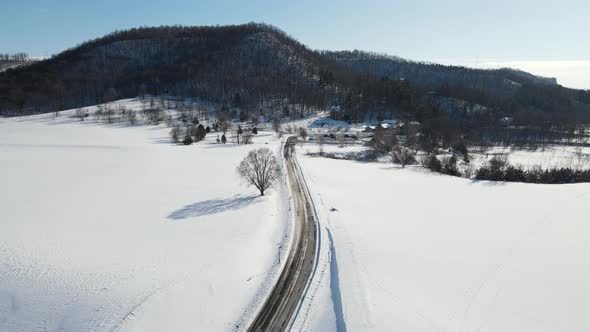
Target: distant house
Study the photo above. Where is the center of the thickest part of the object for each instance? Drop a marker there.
(389, 123)
(385, 136)
(409, 128)
(506, 121)
(335, 112)
(394, 127)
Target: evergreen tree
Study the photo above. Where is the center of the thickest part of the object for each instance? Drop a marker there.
(188, 140)
(200, 133)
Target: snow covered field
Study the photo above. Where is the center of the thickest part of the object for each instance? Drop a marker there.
(417, 251)
(114, 228)
(550, 157)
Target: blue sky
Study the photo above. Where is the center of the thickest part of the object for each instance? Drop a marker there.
(473, 33)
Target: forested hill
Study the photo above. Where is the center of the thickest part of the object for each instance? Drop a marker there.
(248, 62)
(529, 98)
(499, 82)
(246, 66)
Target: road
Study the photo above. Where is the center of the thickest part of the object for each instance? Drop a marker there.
(281, 305)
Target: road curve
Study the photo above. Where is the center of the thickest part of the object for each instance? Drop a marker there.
(285, 297)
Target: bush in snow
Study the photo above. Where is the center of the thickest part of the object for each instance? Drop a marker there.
(535, 175)
(188, 140)
(200, 132)
(153, 116)
(81, 114)
(498, 162)
(175, 134)
(402, 156)
(449, 166)
(461, 148)
(432, 163)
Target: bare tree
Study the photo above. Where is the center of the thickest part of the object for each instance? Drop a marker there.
(412, 137)
(132, 117)
(498, 162)
(260, 169)
(276, 124)
(223, 126)
(99, 111)
(175, 134)
(402, 156)
(256, 120)
(303, 133)
(109, 115)
(239, 133)
(81, 114)
(247, 138)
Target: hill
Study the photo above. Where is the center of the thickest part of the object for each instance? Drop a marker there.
(249, 67)
(500, 82)
(242, 64)
(529, 99)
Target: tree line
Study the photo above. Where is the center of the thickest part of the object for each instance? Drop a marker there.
(17, 57)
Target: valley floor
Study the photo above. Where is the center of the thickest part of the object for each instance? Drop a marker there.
(418, 251)
(114, 228)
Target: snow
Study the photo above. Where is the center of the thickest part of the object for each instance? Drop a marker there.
(418, 251)
(554, 156)
(114, 228)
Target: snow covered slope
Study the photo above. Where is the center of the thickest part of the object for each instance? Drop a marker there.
(114, 228)
(417, 251)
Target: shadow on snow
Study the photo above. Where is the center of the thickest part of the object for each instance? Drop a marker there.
(212, 206)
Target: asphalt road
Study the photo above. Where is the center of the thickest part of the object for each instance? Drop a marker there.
(285, 297)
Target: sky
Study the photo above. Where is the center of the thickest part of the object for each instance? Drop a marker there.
(545, 37)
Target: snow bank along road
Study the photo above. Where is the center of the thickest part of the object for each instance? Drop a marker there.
(286, 296)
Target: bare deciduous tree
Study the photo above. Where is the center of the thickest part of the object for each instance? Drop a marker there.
(247, 138)
(175, 134)
(81, 114)
(303, 133)
(276, 125)
(132, 118)
(402, 156)
(260, 169)
(223, 126)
